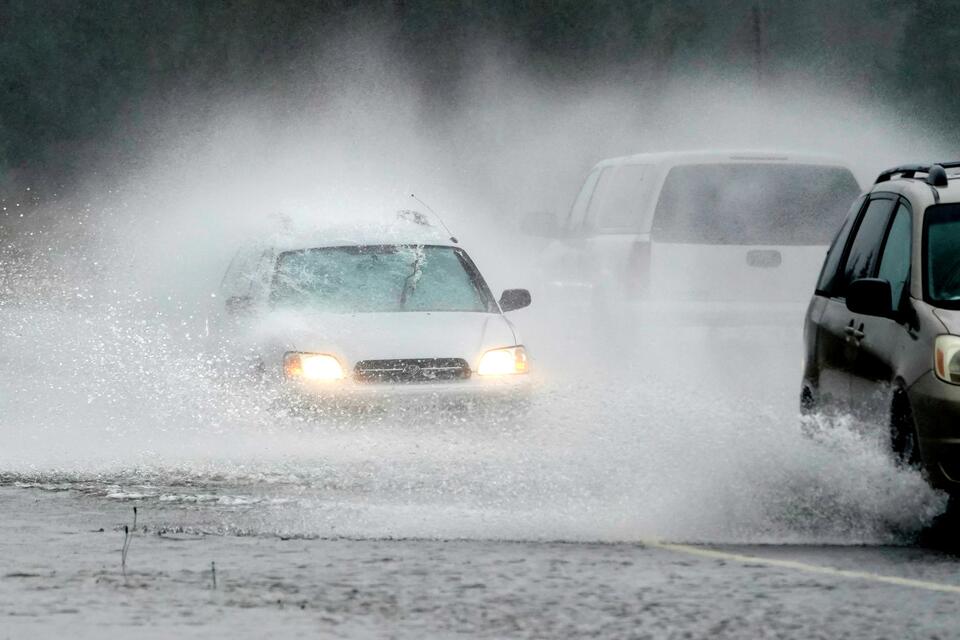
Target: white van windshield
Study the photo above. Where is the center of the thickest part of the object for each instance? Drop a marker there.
(753, 204)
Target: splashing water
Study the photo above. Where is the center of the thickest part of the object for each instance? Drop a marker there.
(115, 402)
(108, 388)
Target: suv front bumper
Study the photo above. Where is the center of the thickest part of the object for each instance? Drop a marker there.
(936, 413)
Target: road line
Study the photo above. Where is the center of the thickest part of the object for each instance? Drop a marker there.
(803, 566)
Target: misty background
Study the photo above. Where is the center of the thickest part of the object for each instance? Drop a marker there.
(141, 143)
(85, 83)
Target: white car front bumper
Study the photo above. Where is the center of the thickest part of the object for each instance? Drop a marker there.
(506, 393)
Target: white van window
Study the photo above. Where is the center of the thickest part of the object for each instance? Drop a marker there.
(740, 203)
(579, 209)
(619, 202)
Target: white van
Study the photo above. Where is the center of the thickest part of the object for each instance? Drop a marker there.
(705, 237)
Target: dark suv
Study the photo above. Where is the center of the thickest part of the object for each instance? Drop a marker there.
(882, 331)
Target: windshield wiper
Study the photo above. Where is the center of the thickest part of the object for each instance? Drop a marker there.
(410, 284)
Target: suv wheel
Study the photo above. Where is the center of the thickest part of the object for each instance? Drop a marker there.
(808, 405)
(904, 443)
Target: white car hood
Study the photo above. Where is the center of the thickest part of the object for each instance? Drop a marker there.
(374, 336)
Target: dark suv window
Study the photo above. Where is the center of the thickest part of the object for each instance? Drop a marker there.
(941, 239)
(830, 265)
(895, 261)
(864, 252)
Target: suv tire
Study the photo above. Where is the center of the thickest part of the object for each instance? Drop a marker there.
(808, 404)
(904, 443)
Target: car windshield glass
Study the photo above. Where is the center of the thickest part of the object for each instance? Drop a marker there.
(378, 278)
(779, 204)
(942, 240)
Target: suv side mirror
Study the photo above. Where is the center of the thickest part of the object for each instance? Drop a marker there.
(870, 297)
(513, 299)
(540, 223)
(238, 305)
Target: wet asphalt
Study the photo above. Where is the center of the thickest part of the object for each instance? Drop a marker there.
(62, 575)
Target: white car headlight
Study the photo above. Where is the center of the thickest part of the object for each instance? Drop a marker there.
(946, 361)
(318, 367)
(503, 362)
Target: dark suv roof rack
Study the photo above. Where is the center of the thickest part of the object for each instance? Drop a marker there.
(935, 173)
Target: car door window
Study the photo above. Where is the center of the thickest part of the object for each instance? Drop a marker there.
(579, 209)
(895, 259)
(864, 255)
(828, 274)
(249, 273)
(619, 202)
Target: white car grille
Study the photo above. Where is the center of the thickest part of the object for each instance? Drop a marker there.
(423, 370)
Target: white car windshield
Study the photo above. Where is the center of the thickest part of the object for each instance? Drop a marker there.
(379, 278)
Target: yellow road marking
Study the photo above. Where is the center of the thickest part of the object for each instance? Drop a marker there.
(803, 566)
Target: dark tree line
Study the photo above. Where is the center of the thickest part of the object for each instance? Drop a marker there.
(70, 70)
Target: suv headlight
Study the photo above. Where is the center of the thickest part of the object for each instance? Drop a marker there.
(946, 361)
(318, 367)
(502, 362)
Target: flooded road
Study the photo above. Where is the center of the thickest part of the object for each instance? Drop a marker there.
(554, 523)
(634, 202)
(62, 574)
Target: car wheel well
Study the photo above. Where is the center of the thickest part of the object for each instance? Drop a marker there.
(904, 443)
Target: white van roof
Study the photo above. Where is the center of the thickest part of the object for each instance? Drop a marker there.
(673, 158)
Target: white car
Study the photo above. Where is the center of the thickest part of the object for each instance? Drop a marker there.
(698, 238)
(366, 315)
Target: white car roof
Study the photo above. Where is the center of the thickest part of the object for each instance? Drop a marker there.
(673, 158)
(400, 230)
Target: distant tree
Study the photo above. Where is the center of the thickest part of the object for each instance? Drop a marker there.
(927, 78)
(71, 70)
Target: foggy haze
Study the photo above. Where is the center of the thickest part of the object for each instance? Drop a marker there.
(134, 258)
(145, 147)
